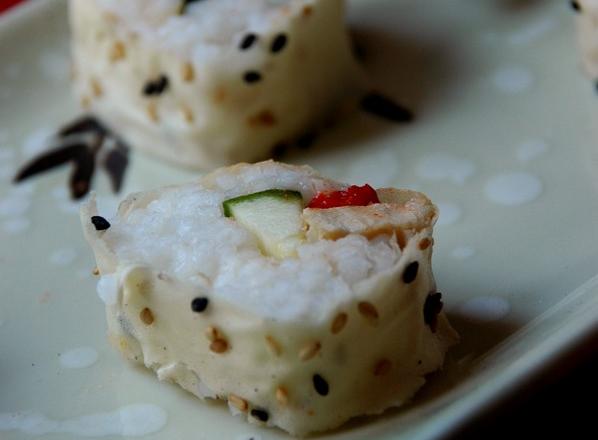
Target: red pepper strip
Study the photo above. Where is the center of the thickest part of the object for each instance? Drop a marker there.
(352, 196)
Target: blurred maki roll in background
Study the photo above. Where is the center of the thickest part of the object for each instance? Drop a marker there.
(212, 82)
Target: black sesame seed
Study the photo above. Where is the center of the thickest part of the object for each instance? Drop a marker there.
(199, 304)
(247, 41)
(279, 43)
(279, 150)
(410, 272)
(432, 307)
(320, 385)
(90, 136)
(306, 141)
(100, 223)
(575, 5)
(115, 164)
(260, 414)
(359, 51)
(385, 108)
(83, 169)
(50, 159)
(156, 87)
(85, 124)
(252, 77)
(184, 4)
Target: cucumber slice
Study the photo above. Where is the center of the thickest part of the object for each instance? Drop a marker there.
(273, 216)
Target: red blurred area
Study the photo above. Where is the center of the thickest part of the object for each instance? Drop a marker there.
(7, 4)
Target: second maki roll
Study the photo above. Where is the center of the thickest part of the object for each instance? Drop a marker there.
(212, 82)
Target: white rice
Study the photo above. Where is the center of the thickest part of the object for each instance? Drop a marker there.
(184, 233)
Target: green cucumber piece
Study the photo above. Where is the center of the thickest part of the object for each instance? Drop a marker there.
(274, 216)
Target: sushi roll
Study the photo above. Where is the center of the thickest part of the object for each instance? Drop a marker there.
(299, 300)
(212, 82)
(587, 32)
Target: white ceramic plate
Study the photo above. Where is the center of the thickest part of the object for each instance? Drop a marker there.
(503, 142)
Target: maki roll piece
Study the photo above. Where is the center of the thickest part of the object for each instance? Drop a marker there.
(301, 301)
(212, 82)
(587, 33)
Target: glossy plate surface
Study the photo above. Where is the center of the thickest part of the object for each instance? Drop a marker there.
(503, 142)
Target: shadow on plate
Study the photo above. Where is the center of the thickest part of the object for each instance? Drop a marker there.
(478, 337)
(414, 73)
